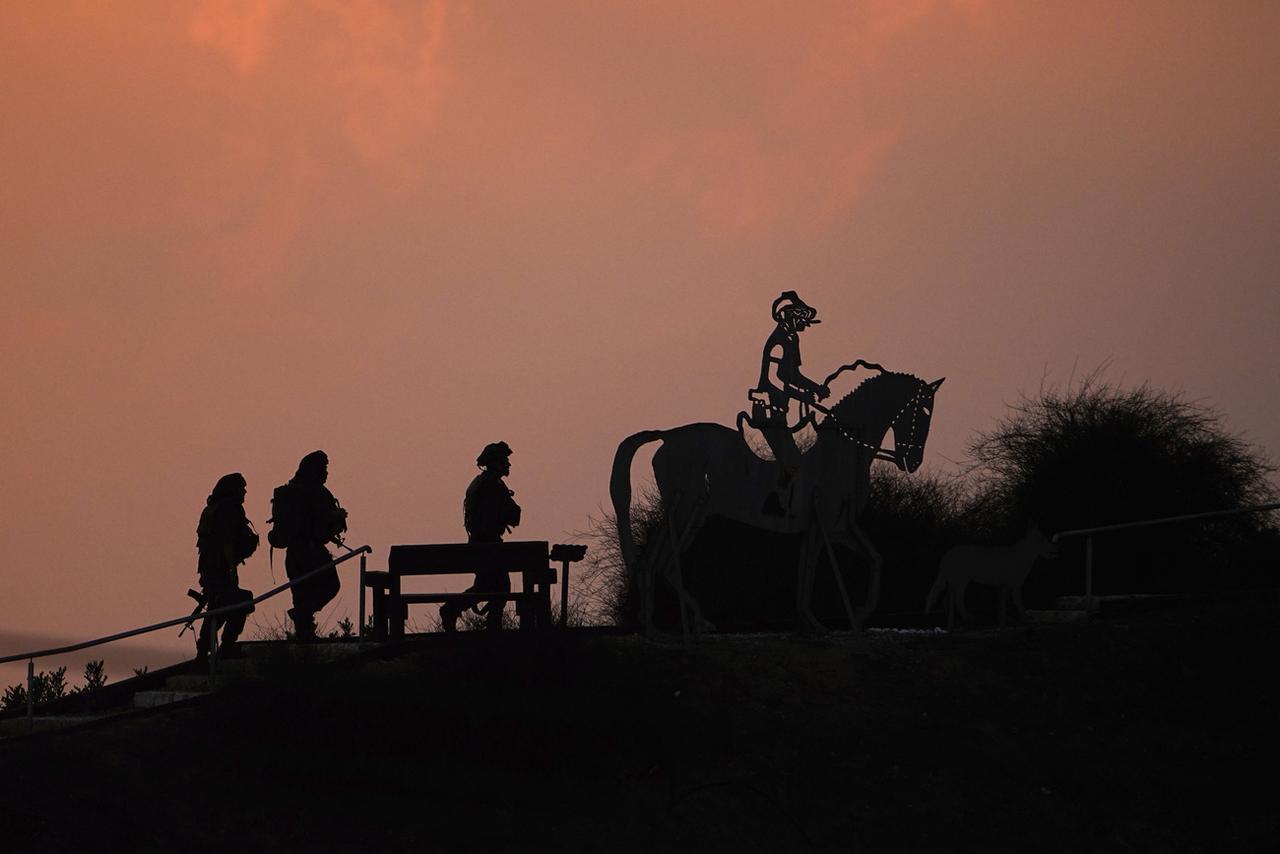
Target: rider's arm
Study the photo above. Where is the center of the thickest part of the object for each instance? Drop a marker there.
(787, 377)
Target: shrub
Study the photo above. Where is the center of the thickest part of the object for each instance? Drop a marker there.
(607, 593)
(912, 520)
(1097, 454)
(95, 676)
(44, 687)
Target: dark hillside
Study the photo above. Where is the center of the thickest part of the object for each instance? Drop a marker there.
(1155, 732)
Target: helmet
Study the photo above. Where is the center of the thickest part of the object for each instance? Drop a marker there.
(313, 461)
(229, 485)
(314, 467)
(791, 305)
(493, 453)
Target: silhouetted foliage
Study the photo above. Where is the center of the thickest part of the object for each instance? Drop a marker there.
(44, 687)
(913, 520)
(1097, 454)
(53, 686)
(95, 676)
(606, 592)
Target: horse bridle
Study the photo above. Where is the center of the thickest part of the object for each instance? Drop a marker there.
(896, 455)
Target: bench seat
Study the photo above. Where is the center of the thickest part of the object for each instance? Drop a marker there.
(528, 560)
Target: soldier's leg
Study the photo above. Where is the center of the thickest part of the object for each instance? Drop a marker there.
(233, 624)
(326, 588)
(298, 561)
(215, 597)
(451, 611)
(490, 582)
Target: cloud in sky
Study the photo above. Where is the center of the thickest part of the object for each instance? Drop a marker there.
(370, 78)
(236, 28)
(372, 67)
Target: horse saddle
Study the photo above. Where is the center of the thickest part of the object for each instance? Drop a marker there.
(751, 428)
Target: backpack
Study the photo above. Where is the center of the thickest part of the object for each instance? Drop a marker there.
(286, 517)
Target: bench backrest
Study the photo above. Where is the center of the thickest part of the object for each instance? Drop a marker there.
(452, 558)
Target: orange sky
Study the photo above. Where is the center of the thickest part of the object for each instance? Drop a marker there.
(234, 232)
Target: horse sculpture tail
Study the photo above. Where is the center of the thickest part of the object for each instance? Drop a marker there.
(620, 491)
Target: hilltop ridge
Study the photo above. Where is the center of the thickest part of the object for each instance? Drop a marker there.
(1144, 731)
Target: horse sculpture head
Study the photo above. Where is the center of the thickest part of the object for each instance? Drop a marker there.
(886, 402)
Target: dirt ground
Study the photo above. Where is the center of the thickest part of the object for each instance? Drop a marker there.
(1155, 732)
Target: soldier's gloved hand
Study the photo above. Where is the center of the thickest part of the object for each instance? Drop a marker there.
(823, 392)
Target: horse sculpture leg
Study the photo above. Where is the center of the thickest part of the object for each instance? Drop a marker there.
(873, 584)
(690, 612)
(677, 580)
(656, 562)
(835, 570)
(646, 575)
(804, 583)
(802, 572)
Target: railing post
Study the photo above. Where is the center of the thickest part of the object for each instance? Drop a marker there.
(564, 593)
(360, 625)
(1088, 571)
(31, 684)
(212, 625)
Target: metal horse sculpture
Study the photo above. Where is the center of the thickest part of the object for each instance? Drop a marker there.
(708, 469)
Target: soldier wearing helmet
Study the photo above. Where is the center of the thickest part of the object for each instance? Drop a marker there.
(488, 512)
(319, 520)
(782, 382)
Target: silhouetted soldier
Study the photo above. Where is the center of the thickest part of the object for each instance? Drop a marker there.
(488, 512)
(225, 538)
(317, 520)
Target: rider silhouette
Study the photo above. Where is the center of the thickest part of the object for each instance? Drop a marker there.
(782, 382)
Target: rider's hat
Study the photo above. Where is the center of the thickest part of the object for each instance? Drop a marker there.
(493, 453)
(789, 303)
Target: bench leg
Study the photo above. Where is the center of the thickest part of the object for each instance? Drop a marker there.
(379, 615)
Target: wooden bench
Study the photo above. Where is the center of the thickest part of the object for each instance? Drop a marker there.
(532, 560)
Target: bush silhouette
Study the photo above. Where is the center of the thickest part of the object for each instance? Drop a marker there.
(1098, 454)
(44, 687)
(912, 520)
(608, 593)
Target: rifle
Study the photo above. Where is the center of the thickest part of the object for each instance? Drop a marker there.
(200, 600)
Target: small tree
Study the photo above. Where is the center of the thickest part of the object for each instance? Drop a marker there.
(95, 675)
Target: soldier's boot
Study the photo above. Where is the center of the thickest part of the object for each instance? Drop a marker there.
(449, 617)
(304, 626)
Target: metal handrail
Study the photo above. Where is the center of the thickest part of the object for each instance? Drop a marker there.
(30, 657)
(1088, 533)
(1146, 523)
